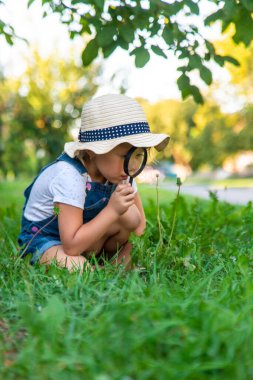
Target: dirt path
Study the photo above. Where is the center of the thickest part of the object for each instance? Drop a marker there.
(232, 195)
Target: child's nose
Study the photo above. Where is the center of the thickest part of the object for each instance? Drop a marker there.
(134, 167)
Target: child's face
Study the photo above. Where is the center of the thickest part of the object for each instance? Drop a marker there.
(111, 164)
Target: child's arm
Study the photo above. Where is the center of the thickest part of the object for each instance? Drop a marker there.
(141, 228)
(77, 237)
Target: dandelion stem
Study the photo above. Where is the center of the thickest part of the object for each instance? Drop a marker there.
(179, 183)
(158, 210)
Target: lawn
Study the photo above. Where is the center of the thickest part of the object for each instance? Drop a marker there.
(189, 315)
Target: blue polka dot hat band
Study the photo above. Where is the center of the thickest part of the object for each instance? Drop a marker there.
(114, 132)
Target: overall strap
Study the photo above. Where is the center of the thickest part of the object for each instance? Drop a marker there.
(72, 161)
(63, 157)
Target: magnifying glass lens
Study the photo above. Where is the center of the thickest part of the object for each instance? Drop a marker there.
(136, 161)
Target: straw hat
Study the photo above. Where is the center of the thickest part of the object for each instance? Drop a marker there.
(110, 120)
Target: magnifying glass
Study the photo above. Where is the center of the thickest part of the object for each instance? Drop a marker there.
(135, 162)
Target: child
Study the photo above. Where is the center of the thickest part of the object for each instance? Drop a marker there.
(96, 209)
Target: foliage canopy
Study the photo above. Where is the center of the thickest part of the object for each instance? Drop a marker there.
(38, 110)
(142, 27)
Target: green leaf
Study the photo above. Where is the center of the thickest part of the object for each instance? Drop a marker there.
(206, 75)
(99, 4)
(155, 28)
(74, 2)
(72, 34)
(194, 8)
(158, 51)
(184, 54)
(187, 89)
(195, 61)
(56, 210)
(123, 44)
(183, 83)
(85, 26)
(127, 33)
(174, 8)
(183, 69)
(230, 8)
(8, 38)
(225, 24)
(207, 57)
(197, 95)
(90, 52)
(219, 59)
(142, 20)
(105, 35)
(219, 15)
(168, 36)
(248, 4)
(142, 56)
(244, 28)
(210, 47)
(30, 3)
(2, 25)
(108, 50)
(232, 60)
(179, 35)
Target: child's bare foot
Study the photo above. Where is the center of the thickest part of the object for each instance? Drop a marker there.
(124, 256)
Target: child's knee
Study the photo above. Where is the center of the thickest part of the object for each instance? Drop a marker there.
(56, 253)
(131, 219)
(126, 223)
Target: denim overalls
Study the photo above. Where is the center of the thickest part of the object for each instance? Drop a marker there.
(97, 197)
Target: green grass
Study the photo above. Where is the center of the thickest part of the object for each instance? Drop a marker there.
(12, 192)
(188, 316)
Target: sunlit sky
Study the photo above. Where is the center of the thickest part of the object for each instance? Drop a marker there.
(157, 80)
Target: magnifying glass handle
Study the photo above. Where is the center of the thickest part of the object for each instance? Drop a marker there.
(131, 181)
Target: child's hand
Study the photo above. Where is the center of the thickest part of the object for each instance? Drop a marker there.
(122, 198)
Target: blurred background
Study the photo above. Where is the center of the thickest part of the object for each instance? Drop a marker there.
(43, 87)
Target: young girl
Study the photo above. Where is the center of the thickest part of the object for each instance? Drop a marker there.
(80, 204)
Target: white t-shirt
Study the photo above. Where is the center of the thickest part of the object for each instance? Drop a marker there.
(60, 182)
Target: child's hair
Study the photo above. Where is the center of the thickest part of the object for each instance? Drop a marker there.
(82, 156)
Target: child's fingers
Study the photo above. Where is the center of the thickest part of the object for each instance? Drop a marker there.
(127, 190)
(123, 186)
(120, 186)
(125, 193)
(129, 203)
(129, 197)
